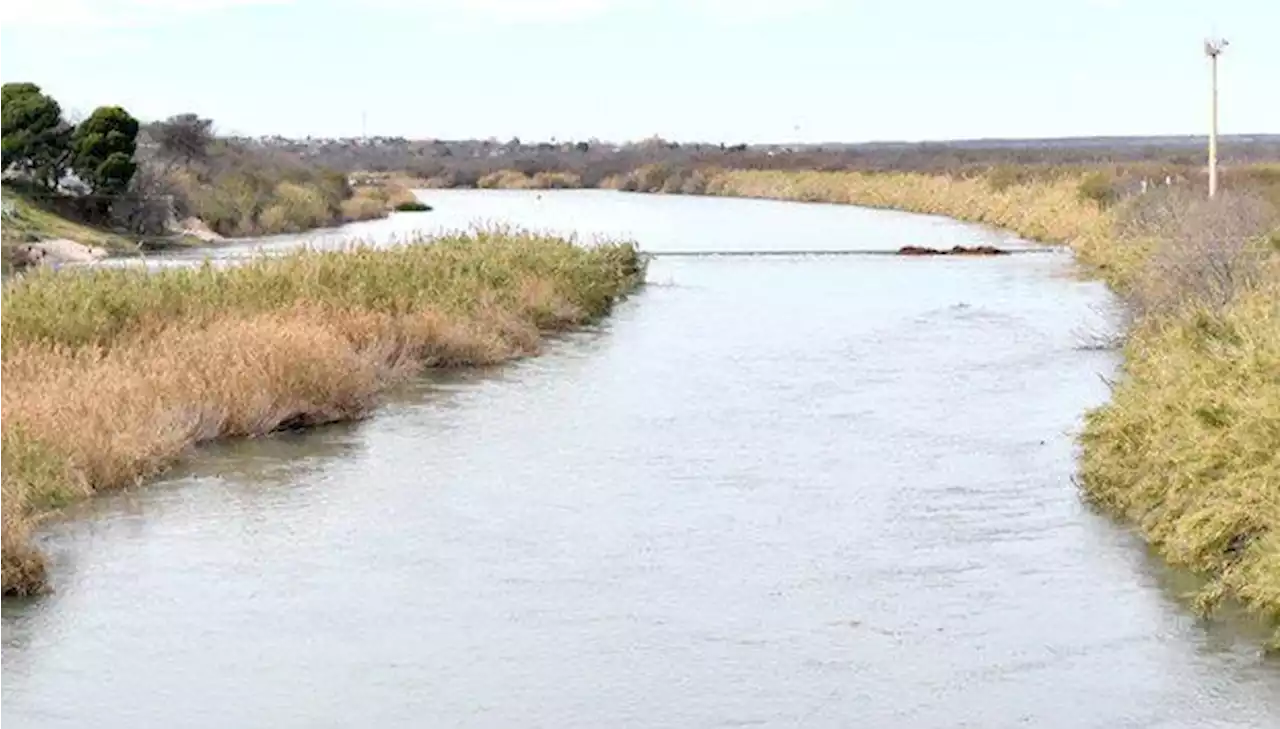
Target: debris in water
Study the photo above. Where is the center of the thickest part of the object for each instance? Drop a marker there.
(956, 251)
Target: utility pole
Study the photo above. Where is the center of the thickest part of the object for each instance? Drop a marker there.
(1213, 48)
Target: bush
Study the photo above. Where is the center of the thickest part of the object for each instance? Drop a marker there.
(1261, 180)
(1206, 251)
(505, 180)
(674, 183)
(231, 203)
(648, 178)
(696, 183)
(305, 207)
(1002, 177)
(1098, 188)
(362, 207)
(275, 219)
(240, 191)
(556, 181)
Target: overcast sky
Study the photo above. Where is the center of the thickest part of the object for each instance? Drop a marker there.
(712, 70)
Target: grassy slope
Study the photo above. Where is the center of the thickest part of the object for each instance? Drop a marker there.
(30, 221)
(111, 374)
(1188, 449)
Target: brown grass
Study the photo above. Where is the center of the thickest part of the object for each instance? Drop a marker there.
(1049, 210)
(505, 180)
(517, 180)
(1188, 449)
(1201, 253)
(376, 199)
(98, 399)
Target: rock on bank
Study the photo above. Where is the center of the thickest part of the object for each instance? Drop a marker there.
(56, 252)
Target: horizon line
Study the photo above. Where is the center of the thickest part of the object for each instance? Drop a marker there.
(1266, 136)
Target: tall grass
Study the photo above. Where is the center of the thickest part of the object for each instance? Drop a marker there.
(1045, 210)
(1188, 449)
(112, 374)
(505, 180)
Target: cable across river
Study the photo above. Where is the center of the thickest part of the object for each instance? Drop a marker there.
(904, 252)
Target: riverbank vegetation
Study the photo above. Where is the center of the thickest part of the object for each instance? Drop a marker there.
(113, 374)
(240, 191)
(114, 182)
(1188, 448)
(40, 149)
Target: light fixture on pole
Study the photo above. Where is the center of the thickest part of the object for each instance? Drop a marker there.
(1213, 48)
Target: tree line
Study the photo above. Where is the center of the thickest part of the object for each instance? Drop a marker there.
(465, 163)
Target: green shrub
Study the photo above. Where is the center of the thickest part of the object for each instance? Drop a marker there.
(1098, 188)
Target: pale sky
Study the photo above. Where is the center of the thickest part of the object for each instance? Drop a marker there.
(707, 70)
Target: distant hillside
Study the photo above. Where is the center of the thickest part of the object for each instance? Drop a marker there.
(463, 163)
(1169, 141)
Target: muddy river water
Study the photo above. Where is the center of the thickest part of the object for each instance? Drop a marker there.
(788, 491)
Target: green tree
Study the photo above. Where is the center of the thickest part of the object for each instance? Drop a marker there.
(37, 141)
(102, 150)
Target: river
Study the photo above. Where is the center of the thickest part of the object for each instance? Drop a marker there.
(794, 491)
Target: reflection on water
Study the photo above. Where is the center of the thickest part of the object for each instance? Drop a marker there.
(767, 492)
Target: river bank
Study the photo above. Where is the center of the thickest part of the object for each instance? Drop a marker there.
(1188, 449)
(115, 373)
(822, 485)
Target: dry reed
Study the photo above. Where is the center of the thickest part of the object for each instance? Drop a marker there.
(371, 201)
(1049, 211)
(517, 180)
(505, 180)
(111, 375)
(1188, 448)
